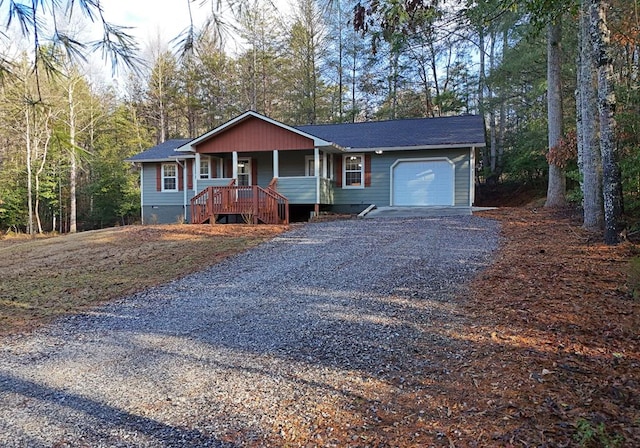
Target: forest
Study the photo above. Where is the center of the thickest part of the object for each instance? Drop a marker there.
(64, 133)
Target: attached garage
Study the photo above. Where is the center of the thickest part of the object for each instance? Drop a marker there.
(423, 182)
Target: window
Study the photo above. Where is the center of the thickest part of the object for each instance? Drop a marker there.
(244, 172)
(205, 168)
(169, 177)
(310, 169)
(354, 171)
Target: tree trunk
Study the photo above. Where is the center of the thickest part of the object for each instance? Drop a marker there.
(354, 71)
(46, 133)
(556, 188)
(481, 85)
(340, 69)
(493, 153)
(73, 165)
(589, 161)
(611, 188)
(503, 110)
(27, 133)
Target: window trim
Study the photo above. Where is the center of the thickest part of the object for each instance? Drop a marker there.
(344, 171)
(165, 177)
(248, 173)
(205, 162)
(308, 159)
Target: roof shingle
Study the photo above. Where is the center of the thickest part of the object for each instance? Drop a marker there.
(466, 130)
(459, 130)
(162, 151)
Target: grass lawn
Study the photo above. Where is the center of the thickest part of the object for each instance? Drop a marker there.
(43, 278)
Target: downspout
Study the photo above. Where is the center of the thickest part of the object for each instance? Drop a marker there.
(316, 169)
(141, 167)
(185, 182)
(472, 176)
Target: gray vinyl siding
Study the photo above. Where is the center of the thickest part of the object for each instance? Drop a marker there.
(219, 182)
(379, 193)
(167, 207)
(153, 197)
(292, 163)
(299, 190)
(161, 207)
(265, 167)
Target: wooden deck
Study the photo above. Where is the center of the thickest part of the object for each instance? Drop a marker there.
(253, 203)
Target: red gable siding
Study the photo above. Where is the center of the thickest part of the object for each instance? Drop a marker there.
(254, 134)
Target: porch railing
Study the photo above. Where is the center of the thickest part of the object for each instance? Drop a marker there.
(253, 203)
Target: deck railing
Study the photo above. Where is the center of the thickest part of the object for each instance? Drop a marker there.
(253, 203)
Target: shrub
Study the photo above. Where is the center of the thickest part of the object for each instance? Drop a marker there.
(588, 435)
(634, 277)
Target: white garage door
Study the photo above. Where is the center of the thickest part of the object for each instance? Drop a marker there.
(422, 182)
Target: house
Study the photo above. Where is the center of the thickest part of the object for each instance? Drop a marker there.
(254, 167)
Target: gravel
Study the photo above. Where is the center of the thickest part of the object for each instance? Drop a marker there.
(278, 342)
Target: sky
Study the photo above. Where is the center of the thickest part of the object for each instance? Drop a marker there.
(164, 20)
(153, 18)
(167, 18)
(151, 21)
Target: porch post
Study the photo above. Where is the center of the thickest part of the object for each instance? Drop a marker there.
(325, 156)
(234, 165)
(196, 173)
(316, 169)
(276, 167)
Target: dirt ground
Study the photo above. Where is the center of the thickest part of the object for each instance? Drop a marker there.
(553, 352)
(56, 276)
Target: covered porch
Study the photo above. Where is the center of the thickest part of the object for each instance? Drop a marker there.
(251, 160)
(260, 185)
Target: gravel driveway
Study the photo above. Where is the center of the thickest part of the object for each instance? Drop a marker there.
(296, 342)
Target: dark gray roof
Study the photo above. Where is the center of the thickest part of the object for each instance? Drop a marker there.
(466, 130)
(162, 151)
(459, 130)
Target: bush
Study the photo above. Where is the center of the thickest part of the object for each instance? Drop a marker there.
(587, 435)
(634, 277)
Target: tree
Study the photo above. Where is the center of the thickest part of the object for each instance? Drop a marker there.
(600, 41)
(306, 93)
(113, 188)
(31, 17)
(163, 93)
(556, 186)
(259, 78)
(589, 160)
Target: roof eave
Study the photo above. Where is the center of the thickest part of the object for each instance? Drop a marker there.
(161, 159)
(190, 146)
(418, 147)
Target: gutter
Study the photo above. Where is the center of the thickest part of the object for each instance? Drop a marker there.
(417, 148)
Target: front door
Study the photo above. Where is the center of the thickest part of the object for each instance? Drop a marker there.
(244, 172)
